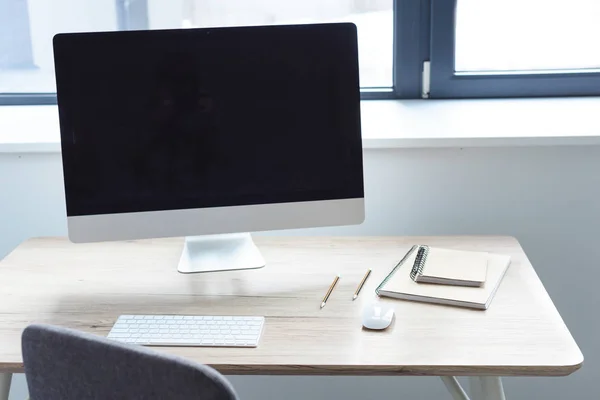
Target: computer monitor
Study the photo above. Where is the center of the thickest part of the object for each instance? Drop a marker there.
(192, 132)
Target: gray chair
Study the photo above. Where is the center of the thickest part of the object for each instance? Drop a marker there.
(63, 364)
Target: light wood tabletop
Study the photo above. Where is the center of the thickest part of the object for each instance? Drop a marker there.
(87, 286)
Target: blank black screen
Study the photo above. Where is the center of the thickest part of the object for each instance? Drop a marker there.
(176, 119)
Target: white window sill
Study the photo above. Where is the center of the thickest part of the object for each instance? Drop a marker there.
(392, 124)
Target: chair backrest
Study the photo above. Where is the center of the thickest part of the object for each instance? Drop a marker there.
(66, 364)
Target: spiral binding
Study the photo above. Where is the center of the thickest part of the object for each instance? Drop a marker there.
(419, 264)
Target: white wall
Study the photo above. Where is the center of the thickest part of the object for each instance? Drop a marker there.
(547, 197)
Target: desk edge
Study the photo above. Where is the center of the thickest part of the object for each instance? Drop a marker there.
(374, 370)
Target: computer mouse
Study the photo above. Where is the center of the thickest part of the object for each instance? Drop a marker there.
(377, 316)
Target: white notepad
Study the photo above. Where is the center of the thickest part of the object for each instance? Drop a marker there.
(398, 284)
(449, 267)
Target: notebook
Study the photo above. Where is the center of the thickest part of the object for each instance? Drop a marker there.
(449, 267)
(398, 284)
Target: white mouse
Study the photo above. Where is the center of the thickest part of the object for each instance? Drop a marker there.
(377, 316)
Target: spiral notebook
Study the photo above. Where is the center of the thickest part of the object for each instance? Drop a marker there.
(399, 284)
(449, 267)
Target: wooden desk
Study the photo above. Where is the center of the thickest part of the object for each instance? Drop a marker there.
(87, 286)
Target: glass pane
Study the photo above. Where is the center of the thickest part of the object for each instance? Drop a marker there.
(27, 28)
(517, 35)
(26, 31)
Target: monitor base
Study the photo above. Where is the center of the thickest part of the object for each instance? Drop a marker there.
(211, 253)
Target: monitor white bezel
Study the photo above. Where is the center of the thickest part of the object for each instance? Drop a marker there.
(215, 220)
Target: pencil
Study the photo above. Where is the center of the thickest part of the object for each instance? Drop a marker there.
(364, 279)
(337, 278)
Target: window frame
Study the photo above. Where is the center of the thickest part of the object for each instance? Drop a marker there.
(445, 83)
(411, 46)
(424, 30)
(27, 99)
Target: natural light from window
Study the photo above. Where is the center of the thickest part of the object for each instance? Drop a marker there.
(517, 35)
(26, 31)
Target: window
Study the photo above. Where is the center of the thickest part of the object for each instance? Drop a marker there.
(373, 18)
(467, 48)
(542, 36)
(27, 28)
(499, 48)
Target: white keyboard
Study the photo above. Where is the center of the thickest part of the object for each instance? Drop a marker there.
(188, 330)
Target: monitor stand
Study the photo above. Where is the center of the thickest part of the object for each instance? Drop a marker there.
(211, 253)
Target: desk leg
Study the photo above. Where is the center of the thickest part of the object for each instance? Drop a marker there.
(454, 388)
(486, 388)
(5, 379)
